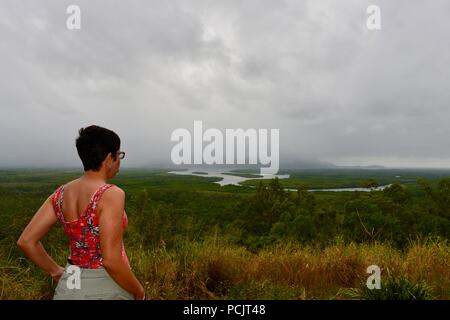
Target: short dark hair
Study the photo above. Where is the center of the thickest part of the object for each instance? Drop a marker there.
(93, 145)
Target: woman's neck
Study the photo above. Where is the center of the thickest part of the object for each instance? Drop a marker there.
(95, 175)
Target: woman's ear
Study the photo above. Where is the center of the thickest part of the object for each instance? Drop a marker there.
(108, 160)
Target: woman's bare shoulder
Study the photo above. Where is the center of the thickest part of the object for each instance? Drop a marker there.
(113, 193)
(113, 197)
(71, 183)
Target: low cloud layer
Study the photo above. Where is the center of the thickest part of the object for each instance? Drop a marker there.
(336, 90)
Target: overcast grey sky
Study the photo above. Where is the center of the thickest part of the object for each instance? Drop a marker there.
(337, 91)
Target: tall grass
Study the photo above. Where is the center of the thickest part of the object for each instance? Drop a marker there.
(216, 270)
(213, 269)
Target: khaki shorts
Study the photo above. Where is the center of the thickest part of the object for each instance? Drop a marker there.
(88, 284)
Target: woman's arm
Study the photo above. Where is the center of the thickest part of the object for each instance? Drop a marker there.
(29, 241)
(111, 208)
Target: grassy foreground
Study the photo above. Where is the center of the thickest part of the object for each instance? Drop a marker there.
(213, 270)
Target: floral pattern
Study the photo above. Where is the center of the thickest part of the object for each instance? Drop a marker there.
(84, 233)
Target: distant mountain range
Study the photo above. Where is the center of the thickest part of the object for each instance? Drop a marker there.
(374, 166)
(297, 164)
(319, 164)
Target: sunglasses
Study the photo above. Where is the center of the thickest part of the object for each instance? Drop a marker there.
(121, 154)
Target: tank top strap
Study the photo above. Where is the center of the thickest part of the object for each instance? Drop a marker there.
(98, 194)
(57, 201)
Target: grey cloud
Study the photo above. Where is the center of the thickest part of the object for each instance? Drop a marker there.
(143, 68)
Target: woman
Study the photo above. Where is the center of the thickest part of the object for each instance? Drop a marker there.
(93, 216)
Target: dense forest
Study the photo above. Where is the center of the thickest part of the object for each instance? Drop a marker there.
(271, 215)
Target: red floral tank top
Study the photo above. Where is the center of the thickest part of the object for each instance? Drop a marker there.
(84, 233)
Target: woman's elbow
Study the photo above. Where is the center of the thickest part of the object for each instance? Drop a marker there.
(109, 264)
(111, 261)
(23, 243)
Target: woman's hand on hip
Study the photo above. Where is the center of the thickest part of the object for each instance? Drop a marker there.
(140, 295)
(57, 274)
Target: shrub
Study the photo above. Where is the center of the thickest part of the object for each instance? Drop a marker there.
(394, 288)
